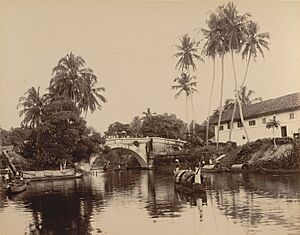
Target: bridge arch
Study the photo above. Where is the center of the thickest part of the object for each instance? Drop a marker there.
(136, 155)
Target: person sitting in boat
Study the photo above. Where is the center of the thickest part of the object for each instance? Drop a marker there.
(19, 175)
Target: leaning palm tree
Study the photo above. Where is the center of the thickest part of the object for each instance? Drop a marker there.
(254, 42)
(185, 84)
(73, 80)
(33, 104)
(273, 124)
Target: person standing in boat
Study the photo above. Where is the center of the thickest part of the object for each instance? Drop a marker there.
(6, 175)
(177, 165)
(198, 176)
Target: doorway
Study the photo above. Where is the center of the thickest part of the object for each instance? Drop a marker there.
(283, 131)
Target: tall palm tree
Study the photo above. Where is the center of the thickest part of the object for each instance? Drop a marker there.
(235, 27)
(254, 42)
(221, 101)
(33, 104)
(213, 46)
(73, 80)
(187, 54)
(185, 84)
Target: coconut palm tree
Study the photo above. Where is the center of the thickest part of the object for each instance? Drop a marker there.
(73, 80)
(214, 45)
(273, 123)
(254, 44)
(235, 27)
(33, 104)
(187, 54)
(90, 96)
(185, 84)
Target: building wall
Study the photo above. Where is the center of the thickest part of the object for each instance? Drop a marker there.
(259, 130)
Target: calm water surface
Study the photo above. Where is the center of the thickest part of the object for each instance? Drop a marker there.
(144, 202)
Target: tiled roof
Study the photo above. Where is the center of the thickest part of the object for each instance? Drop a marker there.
(272, 106)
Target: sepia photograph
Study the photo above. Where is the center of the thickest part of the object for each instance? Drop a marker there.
(149, 117)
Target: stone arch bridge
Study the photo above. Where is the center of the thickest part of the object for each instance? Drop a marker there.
(145, 148)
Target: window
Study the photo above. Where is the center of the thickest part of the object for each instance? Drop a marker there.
(221, 128)
(252, 123)
(240, 124)
(264, 120)
(292, 115)
(228, 126)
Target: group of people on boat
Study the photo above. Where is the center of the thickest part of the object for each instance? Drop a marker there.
(9, 176)
(188, 176)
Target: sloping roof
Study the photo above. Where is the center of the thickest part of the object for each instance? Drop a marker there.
(272, 106)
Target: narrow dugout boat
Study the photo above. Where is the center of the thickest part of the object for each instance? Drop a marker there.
(187, 181)
(15, 187)
(52, 175)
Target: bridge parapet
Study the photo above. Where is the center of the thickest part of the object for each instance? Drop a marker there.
(145, 140)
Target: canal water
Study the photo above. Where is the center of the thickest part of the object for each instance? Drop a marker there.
(144, 202)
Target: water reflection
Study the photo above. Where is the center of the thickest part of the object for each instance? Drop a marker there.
(145, 202)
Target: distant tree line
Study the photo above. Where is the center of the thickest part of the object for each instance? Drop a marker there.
(159, 125)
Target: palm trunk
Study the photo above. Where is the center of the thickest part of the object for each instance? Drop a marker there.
(221, 102)
(187, 114)
(237, 97)
(210, 99)
(235, 103)
(274, 139)
(232, 119)
(246, 72)
(193, 113)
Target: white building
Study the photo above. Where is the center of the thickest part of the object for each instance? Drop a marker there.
(286, 110)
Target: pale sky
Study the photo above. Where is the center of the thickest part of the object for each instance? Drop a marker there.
(129, 45)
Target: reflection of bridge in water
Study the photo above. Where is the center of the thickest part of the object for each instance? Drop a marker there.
(145, 148)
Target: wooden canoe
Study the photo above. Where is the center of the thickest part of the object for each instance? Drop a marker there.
(16, 187)
(51, 175)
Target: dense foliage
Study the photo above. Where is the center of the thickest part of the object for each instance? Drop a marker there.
(53, 130)
(164, 125)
